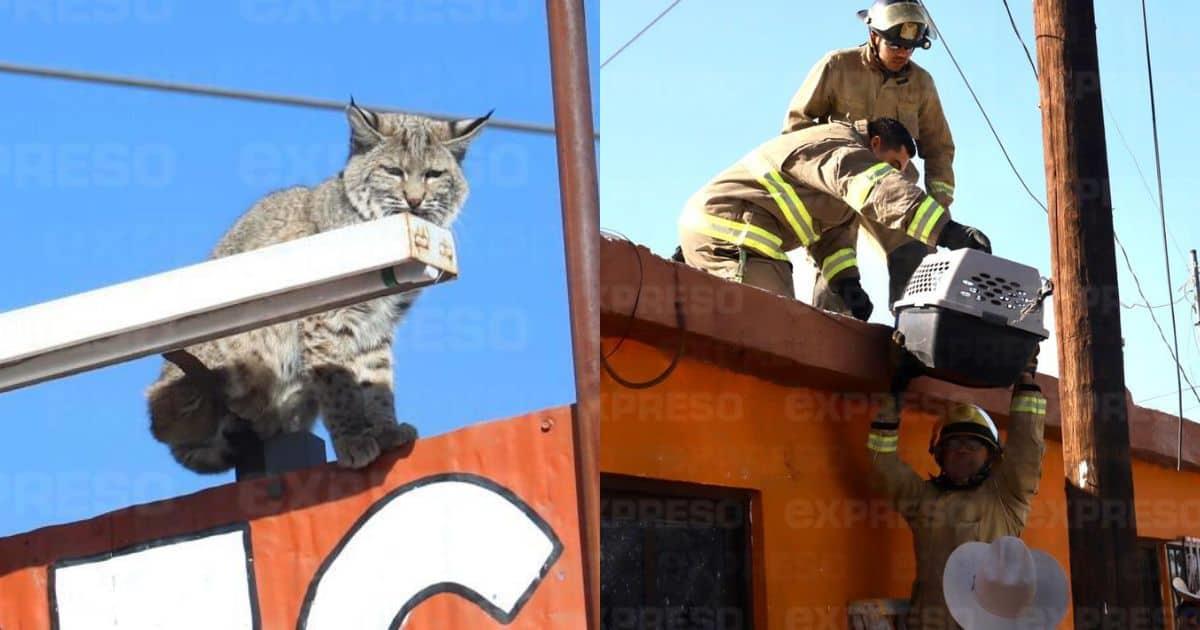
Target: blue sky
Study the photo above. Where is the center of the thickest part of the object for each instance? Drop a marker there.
(713, 79)
(100, 184)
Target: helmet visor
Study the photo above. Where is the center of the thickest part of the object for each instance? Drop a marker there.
(902, 24)
(906, 35)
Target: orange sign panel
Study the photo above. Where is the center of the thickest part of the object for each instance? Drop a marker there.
(478, 528)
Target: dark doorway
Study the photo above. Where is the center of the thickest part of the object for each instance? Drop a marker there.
(1150, 581)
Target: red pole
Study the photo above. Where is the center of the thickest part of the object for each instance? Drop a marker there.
(581, 235)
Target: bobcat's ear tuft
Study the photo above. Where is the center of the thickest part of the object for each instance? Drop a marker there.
(462, 132)
(364, 128)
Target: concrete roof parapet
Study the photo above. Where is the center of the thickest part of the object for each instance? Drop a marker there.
(751, 331)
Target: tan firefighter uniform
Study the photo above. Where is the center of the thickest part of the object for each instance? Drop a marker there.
(941, 520)
(850, 84)
(802, 189)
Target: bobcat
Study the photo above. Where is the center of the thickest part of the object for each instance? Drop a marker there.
(338, 363)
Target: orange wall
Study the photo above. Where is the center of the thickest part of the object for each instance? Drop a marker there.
(292, 532)
(825, 540)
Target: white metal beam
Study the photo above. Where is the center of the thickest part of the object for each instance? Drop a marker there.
(221, 297)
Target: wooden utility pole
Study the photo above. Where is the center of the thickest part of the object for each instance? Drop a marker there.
(1095, 428)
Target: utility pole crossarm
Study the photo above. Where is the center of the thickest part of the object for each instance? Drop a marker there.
(221, 297)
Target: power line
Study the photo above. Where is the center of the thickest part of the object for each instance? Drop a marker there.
(243, 95)
(1156, 306)
(1116, 124)
(1019, 38)
(1120, 134)
(1174, 355)
(1172, 350)
(639, 33)
(1157, 396)
(1138, 166)
(978, 104)
(1162, 215)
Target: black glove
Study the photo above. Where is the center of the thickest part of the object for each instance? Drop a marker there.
(1031, 367)
(957, 236)
(854, 297)
(904, 366)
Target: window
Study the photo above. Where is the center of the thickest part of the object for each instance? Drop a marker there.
(674, 555)
(1183, 561)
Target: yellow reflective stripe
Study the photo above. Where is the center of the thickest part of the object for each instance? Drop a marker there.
(939, 186)
(861, 186)
(936, 216)
(918, 215)
(746, 242)
(882, 443)
(793, 210)
(742, 225)
(734, 232)
(800, 218)
(1029, 404)
(838, 262)
(780, 201)
(926, 216)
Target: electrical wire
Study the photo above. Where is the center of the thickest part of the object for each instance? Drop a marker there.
(1136, 306)
(1174, 355)
(1162, 214)
(1019, 38)
(637, 298)
(1183, 288)
(986, 118)
(1138, 166)
(679, 323)
(1173, 350)
(242, 95)
(1116, 124)
(639, 33)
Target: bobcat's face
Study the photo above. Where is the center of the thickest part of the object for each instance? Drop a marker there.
(402, 163)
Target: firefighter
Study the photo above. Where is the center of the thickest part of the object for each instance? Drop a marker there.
(803, 189)
(983, 490)
(877, 79)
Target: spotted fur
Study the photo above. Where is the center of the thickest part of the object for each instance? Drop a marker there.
(337, 364)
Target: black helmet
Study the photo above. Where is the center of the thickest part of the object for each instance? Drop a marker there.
(901, 22)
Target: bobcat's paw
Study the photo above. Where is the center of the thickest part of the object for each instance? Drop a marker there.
(396, 435)
(356, 451)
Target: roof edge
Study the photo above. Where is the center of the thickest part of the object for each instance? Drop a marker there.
(836, 352)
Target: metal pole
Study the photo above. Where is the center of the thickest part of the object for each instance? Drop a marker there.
(581, 234)
(1102, 523)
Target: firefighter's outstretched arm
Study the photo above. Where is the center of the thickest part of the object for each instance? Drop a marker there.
(896, 479)
(1020, 468)
(879, 192)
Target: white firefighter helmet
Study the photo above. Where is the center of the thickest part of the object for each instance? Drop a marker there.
(901, 22)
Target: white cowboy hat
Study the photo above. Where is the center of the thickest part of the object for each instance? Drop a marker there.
(1182, 587)
(1004, 585)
